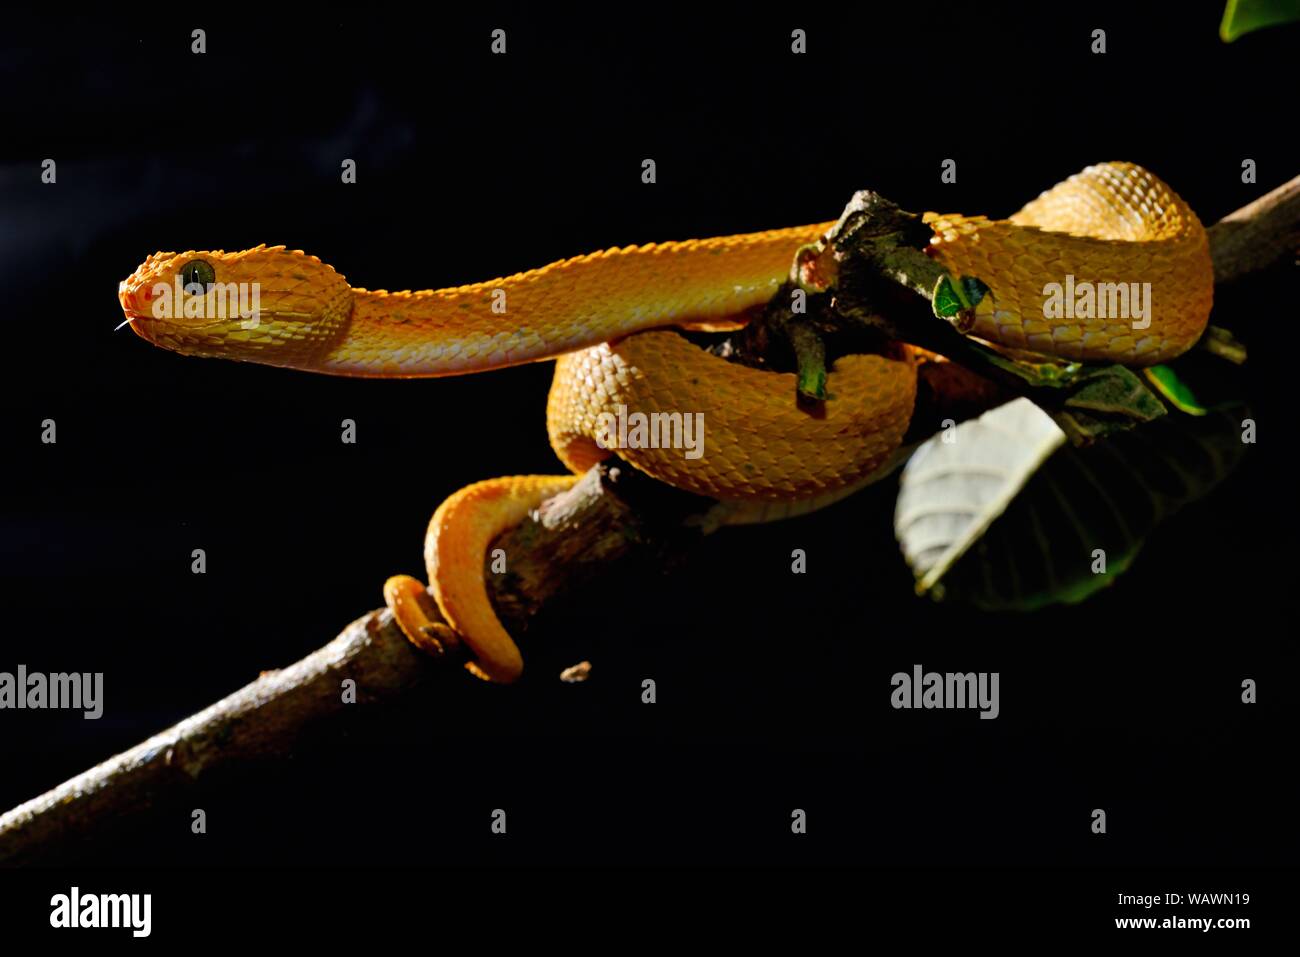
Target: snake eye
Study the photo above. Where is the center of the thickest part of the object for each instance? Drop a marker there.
(196, 272)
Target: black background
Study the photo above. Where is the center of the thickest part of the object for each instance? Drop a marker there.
(773, 688)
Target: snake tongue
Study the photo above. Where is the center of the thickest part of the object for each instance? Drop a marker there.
(129, 306)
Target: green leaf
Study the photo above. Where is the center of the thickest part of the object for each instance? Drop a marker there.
(1245, 16)
(945, 301)
(1115, 390)
(1096, 400)
(950, 298)
(1174, 389)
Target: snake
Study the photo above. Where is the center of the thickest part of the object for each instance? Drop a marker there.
(612, 321)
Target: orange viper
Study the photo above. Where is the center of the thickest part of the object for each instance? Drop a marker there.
(604, 317)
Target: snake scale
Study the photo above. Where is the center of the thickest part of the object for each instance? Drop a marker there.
(606, 318)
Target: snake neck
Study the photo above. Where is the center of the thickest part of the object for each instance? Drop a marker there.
(434, 333)
(564, 307)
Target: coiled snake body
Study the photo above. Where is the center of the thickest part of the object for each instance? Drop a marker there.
(603, 317)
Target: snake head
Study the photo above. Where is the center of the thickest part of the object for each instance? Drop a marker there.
(270, 304)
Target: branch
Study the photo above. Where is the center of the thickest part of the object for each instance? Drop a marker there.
(613, 515)
(872, 276)
(1257, 236)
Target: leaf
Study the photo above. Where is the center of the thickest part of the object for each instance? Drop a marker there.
(950, 298)
(1041, 549)
(1116, 391)
(959, 481)
(1092, 401)
(1174, 389)
(1245, 16)
(1221, 342)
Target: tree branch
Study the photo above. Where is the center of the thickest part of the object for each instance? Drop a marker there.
(1257, 236)
(613, 515)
